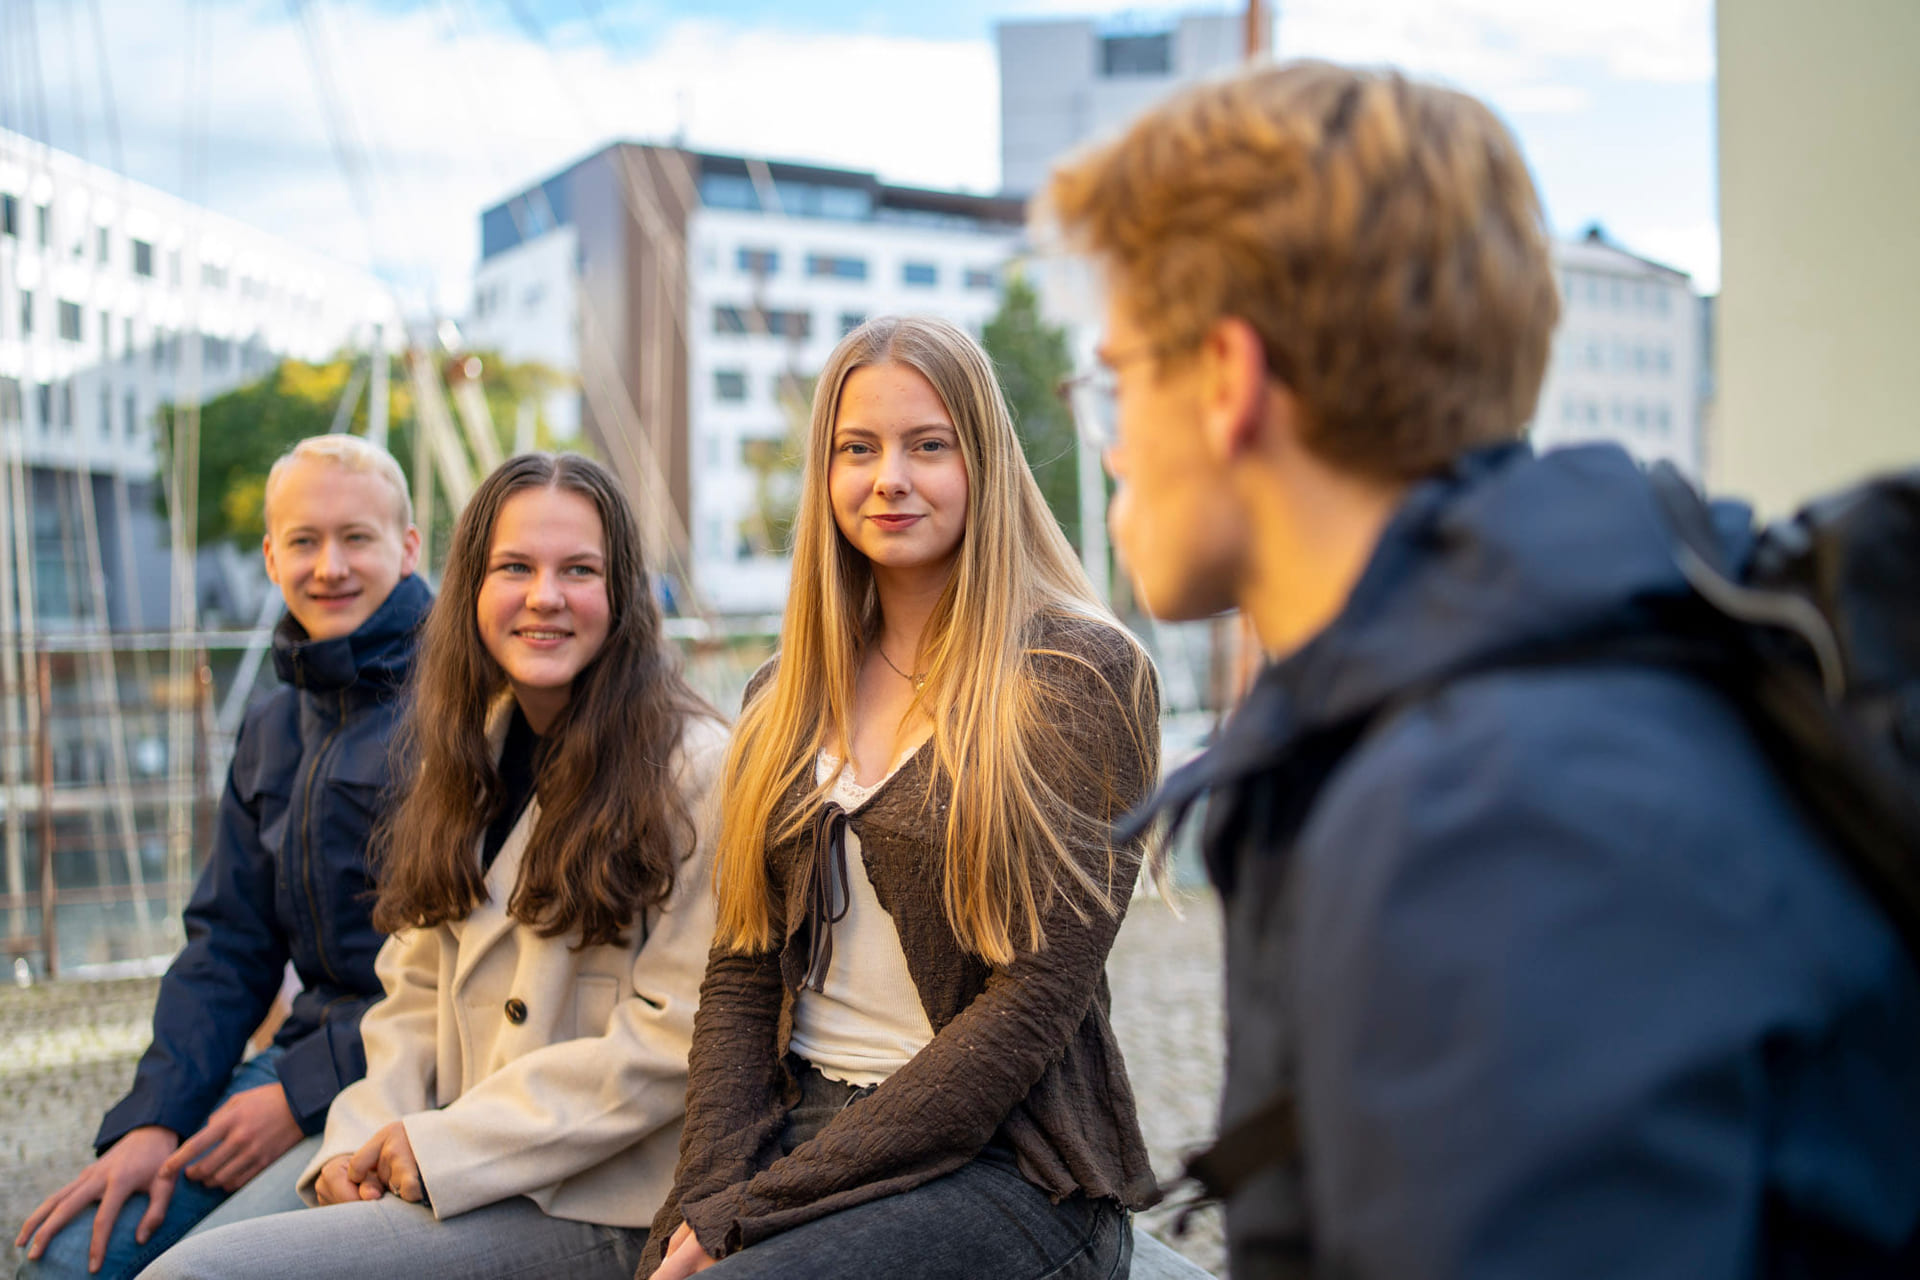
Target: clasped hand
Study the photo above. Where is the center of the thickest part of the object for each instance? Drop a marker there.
(383, 1163)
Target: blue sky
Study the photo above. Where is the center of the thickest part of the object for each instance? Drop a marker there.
(454, 103)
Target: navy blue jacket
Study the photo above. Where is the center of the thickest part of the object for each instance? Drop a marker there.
(287, 880)
(1566, 983)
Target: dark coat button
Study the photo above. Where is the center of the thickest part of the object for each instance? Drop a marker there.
(516, 1010)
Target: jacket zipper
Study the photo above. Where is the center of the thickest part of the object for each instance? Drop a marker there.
(306, 843)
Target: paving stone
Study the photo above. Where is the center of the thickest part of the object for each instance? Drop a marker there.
(67, 1051)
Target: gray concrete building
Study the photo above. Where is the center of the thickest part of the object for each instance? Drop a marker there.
(1065, 82)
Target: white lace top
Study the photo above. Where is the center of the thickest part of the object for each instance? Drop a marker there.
(868, 1021)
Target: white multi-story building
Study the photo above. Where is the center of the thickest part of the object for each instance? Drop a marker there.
(686, 290)
(1068, 81)
(114, 299)
(1626, 358)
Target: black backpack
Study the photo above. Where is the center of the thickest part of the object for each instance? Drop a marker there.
(1816, 639)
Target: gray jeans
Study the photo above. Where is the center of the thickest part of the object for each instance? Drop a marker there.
(982, 1220)
(391, 1237)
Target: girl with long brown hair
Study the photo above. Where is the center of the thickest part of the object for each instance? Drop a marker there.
(902, 1063)
(549, 898)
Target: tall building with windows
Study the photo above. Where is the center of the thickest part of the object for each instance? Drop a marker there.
(695, 295)
(116, 298)
(1626, 358)
(1067, 81)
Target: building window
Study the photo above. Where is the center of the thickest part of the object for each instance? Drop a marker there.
(1663, 420)
(729, 385)
(10, 216)
(919, 273)
(106, 412)
(102, 244)
(851, 320)
(729, 191)
(215, 352)
(212, 277)
(982, 278)
(26, 313)
(790, 324)
(781, 324)
(10, 406)
(826, 265)
(43, 222)
(1150, 55)
(143, 259)
(132, 417)
(1596, 353)
(126, 341)
(759, 263)
(45, 398)
(106, 337)
(70, 321)
(173, 266)
(66, 405)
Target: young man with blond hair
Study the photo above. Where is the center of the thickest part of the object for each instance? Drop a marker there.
(1533, 969)
(287, 881)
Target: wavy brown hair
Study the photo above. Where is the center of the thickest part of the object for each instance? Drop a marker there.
(612, 822)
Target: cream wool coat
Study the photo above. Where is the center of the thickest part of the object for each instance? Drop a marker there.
(578, 1106)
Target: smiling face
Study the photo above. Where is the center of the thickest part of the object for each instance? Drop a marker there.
(335, 545)
(544, 610)
(896, 477)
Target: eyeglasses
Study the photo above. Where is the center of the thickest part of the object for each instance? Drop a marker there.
(1094, 398)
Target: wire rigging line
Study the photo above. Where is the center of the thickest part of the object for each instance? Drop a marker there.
(102, 62)
(346, 151)
(73, 83)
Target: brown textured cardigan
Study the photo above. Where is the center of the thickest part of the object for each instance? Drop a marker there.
(1025, 1050)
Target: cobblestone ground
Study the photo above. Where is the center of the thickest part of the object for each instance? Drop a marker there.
(1166, 978)
(67, 1052)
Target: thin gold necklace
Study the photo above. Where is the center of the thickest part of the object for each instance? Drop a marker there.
(919, 682)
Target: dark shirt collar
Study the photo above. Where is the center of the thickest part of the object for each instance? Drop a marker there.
(377, 653)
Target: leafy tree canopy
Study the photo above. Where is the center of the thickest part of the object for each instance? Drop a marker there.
(1030, 356)
(243, 430)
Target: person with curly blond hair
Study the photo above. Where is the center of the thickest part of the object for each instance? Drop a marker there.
(1534, 967)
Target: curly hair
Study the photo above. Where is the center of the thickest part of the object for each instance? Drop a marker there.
(1382, 236)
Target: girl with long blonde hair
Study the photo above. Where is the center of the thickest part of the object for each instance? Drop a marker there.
(902, 1062)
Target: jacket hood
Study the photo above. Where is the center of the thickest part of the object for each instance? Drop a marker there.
(1505, 552)
(376, 654)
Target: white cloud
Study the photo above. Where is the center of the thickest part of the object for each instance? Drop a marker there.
(450, 117)
(453, 114)
(1693, 249)
(1475, 42)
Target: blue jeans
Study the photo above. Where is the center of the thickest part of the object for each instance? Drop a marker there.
(270, 1191)
(507, 1240)
(983, 1219)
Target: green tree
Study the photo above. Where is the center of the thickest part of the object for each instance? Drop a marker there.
(1030, 356)
(243, 430)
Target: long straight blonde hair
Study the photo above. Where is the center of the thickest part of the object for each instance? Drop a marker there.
(1012, 831)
